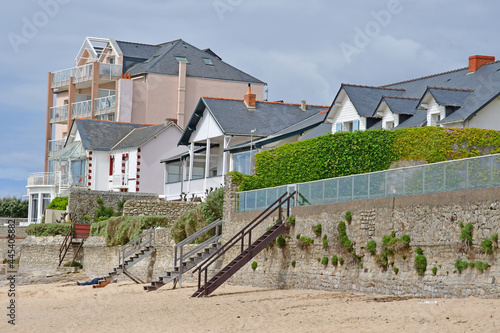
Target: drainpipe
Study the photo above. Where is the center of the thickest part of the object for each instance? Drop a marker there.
(181, 94)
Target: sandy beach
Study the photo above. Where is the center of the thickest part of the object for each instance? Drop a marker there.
(59, 305)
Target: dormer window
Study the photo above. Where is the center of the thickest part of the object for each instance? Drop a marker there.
(179, 59)
(208, 61)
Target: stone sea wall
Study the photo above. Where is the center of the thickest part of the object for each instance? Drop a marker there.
(158, 207)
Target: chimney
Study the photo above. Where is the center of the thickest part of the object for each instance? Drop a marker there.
(477, 61)
(168, 120)
(303, 105)
(250, 98)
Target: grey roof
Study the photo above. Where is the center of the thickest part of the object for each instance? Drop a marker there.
(319, 130)
(449, 97)
(160, 59)
(417, 120)
(485, 83)
(139, 136)
(401, 105)
(365, 99)
(234, 118)
(103, 135)
(297, 128)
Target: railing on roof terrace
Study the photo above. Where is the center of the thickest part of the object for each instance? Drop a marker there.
(60, 78)
(59, 113)
(84, 73)
(44, 179)
(470, 173)
(110, 70)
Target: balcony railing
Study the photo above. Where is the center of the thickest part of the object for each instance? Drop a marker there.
(59, 114)
(120, 181)
(44, 179)
(105, 105)
(84, 73)
(81, 109)
(56, 145)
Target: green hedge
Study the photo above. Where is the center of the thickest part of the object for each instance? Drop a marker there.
(13, 207)
(47, 229)
(59, 203)
(348, 153)
(120, 230)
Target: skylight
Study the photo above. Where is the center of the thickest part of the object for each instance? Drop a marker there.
(208, 61)
(179, 59)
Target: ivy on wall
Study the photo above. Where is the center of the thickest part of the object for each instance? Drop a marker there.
(348, 153)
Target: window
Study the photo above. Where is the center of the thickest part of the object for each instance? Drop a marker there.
(179, 59)
(389, 125)
(111, 165)
(174, 173)
(78, 172)
(45, 201)
(208, 61)
(111, 60)
(34, 206)
(242, 162)
(435, 118)
(347, 126)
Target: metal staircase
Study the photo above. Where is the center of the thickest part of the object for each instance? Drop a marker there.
(184, 262)
(135, 250)
(75, 237)
(246, 254)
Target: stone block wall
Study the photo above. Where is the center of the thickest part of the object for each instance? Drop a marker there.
(431, 220)
(84, 202)
(158, 207)
(20, 233)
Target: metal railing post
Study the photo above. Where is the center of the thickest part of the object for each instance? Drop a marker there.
(181, 264)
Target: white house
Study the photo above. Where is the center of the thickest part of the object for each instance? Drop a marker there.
(462, 98)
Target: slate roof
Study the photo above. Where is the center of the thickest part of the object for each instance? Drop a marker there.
(365, 99)
(103, 135)
(469, 92)
(234, 118)
(160, 59)
(139, 136)
(401, 105)
(418, 119)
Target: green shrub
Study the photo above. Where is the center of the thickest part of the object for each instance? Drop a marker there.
(461, 265)
(494, 238)
(434, 270)
(318, 229)
(102, 211)
(466, 233)
(324, 261)
(348, 217)
(371, 246)
(335, 260)
(325, 242)
(120, 230)
(481, 266)
(14, 207)
(212, 208)
(254, 265)
(341, 260)
(396, 270)
(47, 229)
(280, 241)
(291, 220)
(360, 264)
(386, 239)
(405, 239)
(342, 236)
(75, 264)
(419, 250)
(58, 203)
(306, 241)
(382, 261)
(487, 246)
(420, 264)
(294, 263)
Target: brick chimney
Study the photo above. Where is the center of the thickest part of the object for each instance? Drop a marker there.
(250, 98)
(477, 61)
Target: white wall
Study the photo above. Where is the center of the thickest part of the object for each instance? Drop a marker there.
(100, 171)
(432, 109)
(488, 118)
(346, 113)
(388, 116)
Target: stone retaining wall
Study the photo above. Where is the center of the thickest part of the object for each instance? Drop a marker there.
(158, 207)
(431, 220)
(20, 233)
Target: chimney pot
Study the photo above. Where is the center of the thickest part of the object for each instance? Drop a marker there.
(303, 105)
(250, 98)
(476, 61)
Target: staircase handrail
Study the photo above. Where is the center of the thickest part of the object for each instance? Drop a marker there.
(147, 237)
(65, 244)
(240, 235)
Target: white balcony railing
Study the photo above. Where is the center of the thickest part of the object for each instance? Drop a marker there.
(120, 181)
(105, 105)
(59, 114)
(84, 73)
(56, 145)
(81, 109)
(44, 179)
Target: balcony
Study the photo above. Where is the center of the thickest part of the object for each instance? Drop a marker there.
(81, 109)
(59, 114)
(56, 145)
(120, 181)
(44, 179)
(82, 75)
(105, 105)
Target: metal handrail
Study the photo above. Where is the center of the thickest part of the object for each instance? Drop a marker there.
(65, 244)
(146, 238)
(179, 247)
(247, 230)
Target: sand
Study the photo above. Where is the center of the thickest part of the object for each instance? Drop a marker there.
(59, 305)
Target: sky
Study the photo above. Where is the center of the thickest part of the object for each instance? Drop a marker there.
(301, 49)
